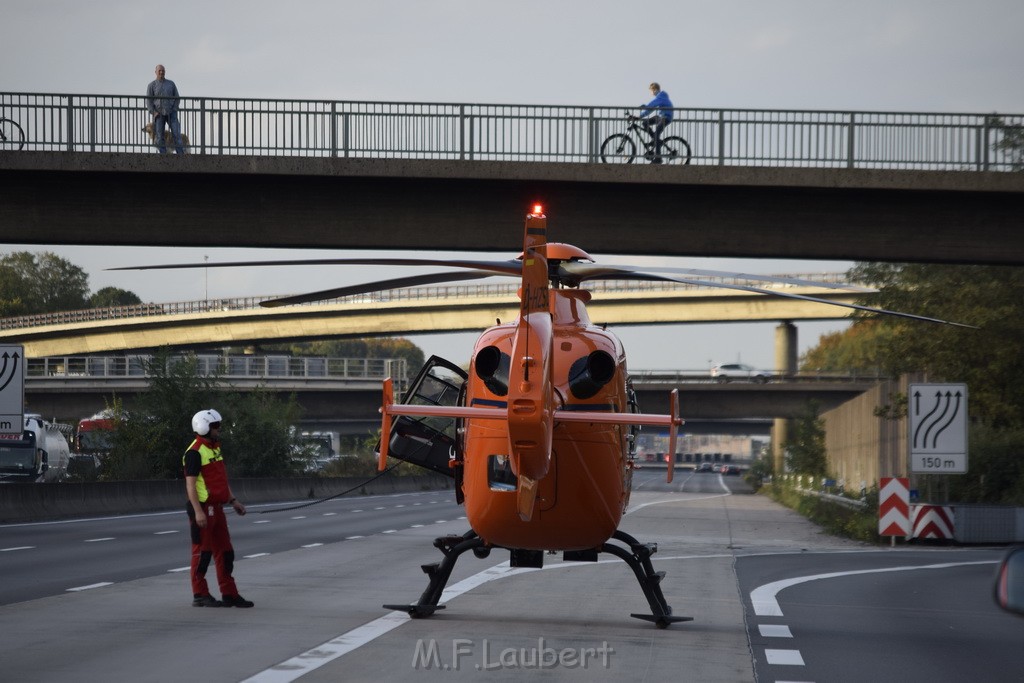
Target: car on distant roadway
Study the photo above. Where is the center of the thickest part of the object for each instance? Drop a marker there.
(704, 467)
(728, 372)
(730, 469)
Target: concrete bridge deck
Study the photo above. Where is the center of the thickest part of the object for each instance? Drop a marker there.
(452, 205)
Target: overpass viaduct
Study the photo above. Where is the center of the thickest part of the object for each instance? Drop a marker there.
(869, 186)
(344, 394)
(455, 308)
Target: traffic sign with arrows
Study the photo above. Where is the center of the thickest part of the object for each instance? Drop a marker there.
(12, 389)
(938, 428)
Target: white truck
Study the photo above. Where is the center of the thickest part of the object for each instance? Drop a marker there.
(39, 454)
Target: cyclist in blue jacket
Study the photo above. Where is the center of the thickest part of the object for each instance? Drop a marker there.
(660, 110)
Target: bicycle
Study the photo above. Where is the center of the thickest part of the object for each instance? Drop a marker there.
(11, 135)
(620, 148)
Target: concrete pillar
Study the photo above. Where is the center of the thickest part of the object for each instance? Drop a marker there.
(786, 359)
(780, 434)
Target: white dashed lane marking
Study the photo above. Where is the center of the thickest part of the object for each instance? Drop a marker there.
(775, 631)
(784, 657)
(20, 547)
(90, 586)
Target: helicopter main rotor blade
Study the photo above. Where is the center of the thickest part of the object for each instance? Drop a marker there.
(589, 271)
(380, 285)
(508, 267)
(773, 292)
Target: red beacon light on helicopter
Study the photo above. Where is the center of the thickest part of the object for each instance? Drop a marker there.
(538, 210)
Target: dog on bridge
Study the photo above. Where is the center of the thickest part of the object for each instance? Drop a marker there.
(168, 137)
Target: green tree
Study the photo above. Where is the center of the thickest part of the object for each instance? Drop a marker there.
(857, 348)
(44, 282)
(996, 472)
(1009, 141)
(152, 440)
(113, 296)
(15, 293)
(988, 359)
(805, 449)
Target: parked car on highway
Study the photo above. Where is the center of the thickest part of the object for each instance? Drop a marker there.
(728, 372)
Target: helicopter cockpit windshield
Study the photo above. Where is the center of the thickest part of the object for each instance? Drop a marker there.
(429, 441)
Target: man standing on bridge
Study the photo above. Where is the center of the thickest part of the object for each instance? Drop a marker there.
(206, 483)
(162, 102)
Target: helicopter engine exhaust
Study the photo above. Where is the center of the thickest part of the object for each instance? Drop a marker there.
(587, 375)
(492, 368)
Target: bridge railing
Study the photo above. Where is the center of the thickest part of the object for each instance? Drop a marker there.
(320, 367)
(517, 132)
(227, 367)
(441, 293)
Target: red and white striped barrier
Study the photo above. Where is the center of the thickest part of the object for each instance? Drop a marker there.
(932, 521)
(894, 506)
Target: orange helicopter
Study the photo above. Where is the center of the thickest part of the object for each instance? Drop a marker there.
(539, 436)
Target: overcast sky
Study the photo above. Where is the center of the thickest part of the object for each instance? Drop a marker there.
(876, 55)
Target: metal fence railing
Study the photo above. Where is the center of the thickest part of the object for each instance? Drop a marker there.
(234, 367)
(512, 132)
(227, 367)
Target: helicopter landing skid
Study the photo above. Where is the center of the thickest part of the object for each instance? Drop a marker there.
(439, 573)
(638, 557)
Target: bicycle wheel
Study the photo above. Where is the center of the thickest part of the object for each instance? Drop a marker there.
(11, 135)
(675, 150)
(618, 149)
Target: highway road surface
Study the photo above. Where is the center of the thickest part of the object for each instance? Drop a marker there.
(772, 598)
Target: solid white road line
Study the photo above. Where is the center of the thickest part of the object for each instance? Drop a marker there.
(293, 668)
(765, 604)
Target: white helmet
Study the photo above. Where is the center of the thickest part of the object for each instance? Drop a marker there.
(202, 420)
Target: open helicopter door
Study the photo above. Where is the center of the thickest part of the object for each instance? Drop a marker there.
(430, 440)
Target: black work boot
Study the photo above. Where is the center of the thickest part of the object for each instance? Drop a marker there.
(236, 601)
(206, 601)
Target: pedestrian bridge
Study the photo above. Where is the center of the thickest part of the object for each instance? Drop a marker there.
(457, 308)
(873, 186)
